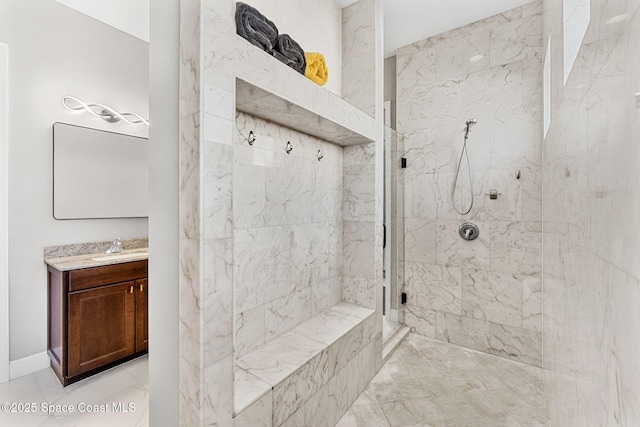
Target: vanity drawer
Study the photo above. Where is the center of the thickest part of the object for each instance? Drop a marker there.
(96, 276)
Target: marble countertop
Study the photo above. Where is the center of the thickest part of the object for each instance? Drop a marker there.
(77, 262)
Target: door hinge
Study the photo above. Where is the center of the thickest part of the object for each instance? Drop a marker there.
(383, 300)
(404, 298)
(403, 162)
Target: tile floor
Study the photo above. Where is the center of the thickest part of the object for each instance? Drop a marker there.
(424, 383)
(126, 384)
(430, 383)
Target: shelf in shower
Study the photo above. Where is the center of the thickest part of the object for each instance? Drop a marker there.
(307, 108)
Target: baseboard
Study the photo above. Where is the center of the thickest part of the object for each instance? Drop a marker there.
(28, 365)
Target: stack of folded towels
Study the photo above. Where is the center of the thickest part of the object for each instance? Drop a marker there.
(261, 32)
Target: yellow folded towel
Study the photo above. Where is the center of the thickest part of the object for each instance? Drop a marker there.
(316, 70)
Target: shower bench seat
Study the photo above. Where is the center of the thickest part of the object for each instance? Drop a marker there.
(298, 363)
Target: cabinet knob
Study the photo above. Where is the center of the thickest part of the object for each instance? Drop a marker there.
(141, 287)
(131, 289)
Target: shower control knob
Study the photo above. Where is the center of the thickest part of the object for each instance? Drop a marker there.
(469, 231)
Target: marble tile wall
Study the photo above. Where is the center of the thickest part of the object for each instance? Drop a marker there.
(287, 216)
(358, 53)
(591, 202)
(363, 209)
(345, 387)
(337, 364)
(359, 284)
(218, 233)
(363, 172)
(484, 294)
(191, 364)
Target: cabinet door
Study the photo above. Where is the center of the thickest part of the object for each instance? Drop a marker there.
(101, 326)
(142, 315)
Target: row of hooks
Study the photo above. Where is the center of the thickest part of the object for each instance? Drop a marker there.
(251, 139)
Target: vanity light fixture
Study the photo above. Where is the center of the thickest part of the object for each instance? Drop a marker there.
(106, 113)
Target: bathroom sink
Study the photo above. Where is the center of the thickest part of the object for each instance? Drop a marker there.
(120, 256)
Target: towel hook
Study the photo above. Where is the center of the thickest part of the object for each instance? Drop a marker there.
(320, 146)
(289, 147)
(252, 137)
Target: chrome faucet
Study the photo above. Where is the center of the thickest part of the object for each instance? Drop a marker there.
(116, 247)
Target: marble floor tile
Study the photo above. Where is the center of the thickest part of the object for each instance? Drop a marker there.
(102, 386)
(367, 415)
(432, 383)
(126, 386)
(411, 412)
(424, 383)
(348, 420)
(399, 391)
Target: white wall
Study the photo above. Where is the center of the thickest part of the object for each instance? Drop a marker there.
(164, 344)
(129, 16)
(314, 24)
(4, 215)
(57, 51)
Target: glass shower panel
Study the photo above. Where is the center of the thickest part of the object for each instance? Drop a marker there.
(394, 226)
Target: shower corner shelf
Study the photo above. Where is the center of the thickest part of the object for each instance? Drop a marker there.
(333, 119)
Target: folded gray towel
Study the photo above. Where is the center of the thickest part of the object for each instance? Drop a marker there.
(290, 52)
(255, 27)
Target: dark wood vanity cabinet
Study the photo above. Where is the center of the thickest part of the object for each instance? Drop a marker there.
(142, 315)
(97, 318)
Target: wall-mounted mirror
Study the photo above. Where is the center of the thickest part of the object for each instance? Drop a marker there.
(98, 174)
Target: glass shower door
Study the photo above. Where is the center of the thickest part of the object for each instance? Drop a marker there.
(394, 232)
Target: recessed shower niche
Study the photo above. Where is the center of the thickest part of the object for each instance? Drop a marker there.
(270, 239)
(300, 186)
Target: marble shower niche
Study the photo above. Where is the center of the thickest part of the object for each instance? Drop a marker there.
(299, 336)
(287, 215)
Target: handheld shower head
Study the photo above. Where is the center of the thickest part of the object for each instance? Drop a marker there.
(469, 123)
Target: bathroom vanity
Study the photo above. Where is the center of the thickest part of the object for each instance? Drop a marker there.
(97, 312)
